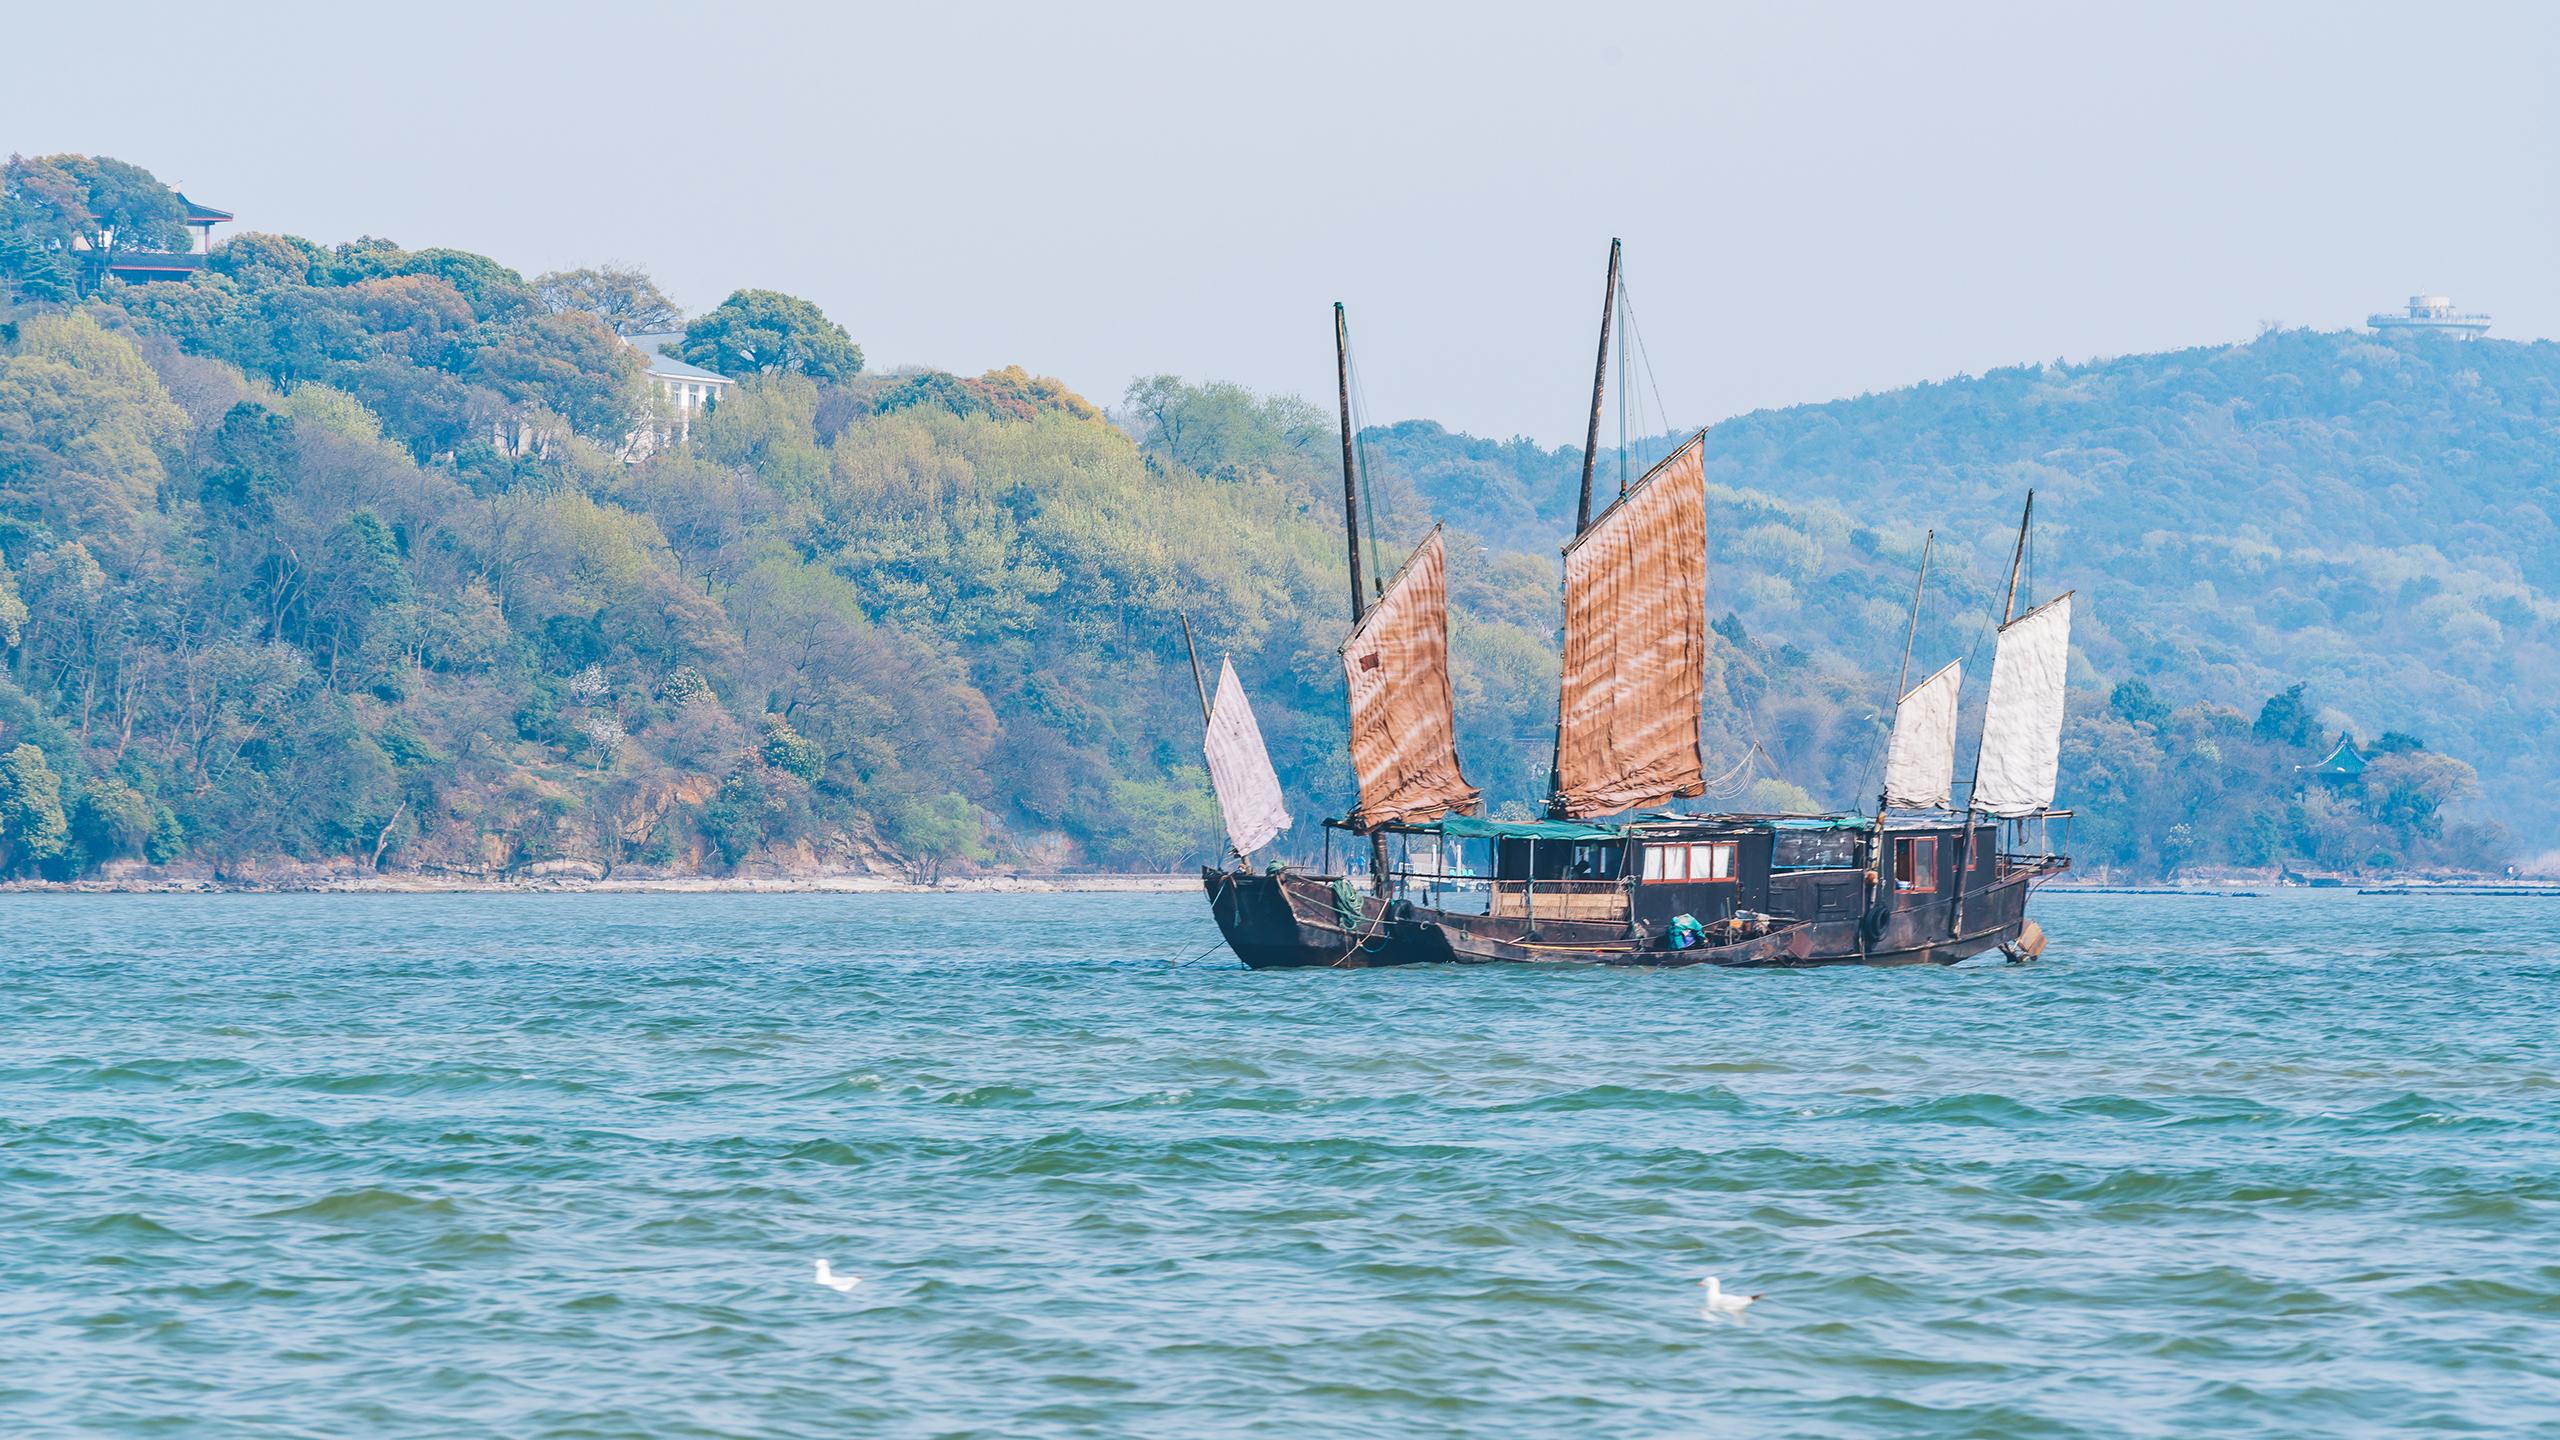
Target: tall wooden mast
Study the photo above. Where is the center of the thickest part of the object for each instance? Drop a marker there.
(1350, 468)
(1197, 681)
(1351, 537)
(1902, 683)
(2008, 612)
(1901, 687)
(1599, 391)
(2009, 608)
(1582, 509)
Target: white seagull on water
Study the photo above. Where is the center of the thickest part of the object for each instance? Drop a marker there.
(1721, 1306)
(841, 1284)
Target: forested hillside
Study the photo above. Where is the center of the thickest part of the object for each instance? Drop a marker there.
(330, 555)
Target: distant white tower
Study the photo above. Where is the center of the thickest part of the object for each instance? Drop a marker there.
(2433, 315)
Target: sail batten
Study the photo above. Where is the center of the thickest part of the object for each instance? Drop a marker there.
(1920, 760)
(1635, 645)
(2022, 726)
(1404, 734)
(1240, 768)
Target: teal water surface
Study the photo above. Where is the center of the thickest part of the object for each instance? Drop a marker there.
(559, 1166)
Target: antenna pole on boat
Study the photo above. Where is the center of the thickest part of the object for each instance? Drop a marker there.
(1351, 470)
(1599, 391)
(1197, 683)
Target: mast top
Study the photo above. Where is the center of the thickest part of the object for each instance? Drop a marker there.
(1350, 466)
(1599, 392)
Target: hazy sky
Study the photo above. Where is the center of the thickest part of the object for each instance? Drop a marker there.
(1816, 199)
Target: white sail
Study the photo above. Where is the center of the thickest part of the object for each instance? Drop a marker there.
(2022, 729)
(1240, 768)
(1920, 761)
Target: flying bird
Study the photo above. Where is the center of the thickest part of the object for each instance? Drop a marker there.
(1721, 1306)
(841, 1284)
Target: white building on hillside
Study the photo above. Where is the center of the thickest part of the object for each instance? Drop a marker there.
(678, 392)
(2432, 315)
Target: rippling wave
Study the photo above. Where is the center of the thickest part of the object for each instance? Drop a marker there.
(558, 1165)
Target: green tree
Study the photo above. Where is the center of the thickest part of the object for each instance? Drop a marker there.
(934, 830)
(107, 203)
(13, 609)
(33, 828)
(786, 750)
(768, 426)
(258, 261)
(1224, 430)
(112, 821)
(35, 270)
(572, 365)
(2411, 789)
(758, 332)
(85, 430)
(624, 298)
(2134, 700)
(493, 289)
(2288, 718)
(1155, 825)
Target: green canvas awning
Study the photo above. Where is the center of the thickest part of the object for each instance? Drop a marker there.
(1823, 822)
(1759, 822)
(1467, 827)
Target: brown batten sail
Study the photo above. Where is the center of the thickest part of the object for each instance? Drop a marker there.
(1635, 645)
(1404, 730)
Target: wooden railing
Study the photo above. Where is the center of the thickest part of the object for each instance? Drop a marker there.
(1559, 899)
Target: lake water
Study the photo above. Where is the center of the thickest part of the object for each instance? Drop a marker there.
(559, 1166)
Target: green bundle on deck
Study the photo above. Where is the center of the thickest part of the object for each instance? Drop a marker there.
(1346, 903)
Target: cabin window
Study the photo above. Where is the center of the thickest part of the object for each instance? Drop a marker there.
(1666, 862)
(1708, 860)
(1818, 850)
(1713, 861)
(1595, 862)
(1915, 862)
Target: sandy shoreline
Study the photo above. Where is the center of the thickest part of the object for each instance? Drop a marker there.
(653, 885)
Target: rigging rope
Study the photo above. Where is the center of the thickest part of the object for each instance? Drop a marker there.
(1360, 466)
(1734, 781)
(1630, 330)
(1624, 387)
(2027, 569)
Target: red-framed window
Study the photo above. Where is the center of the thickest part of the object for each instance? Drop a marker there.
(1690, 862)
(1915, 862)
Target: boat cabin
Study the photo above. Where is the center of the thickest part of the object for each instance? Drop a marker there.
(1653, 869)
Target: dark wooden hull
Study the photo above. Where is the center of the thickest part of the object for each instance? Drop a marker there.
(1290, 921)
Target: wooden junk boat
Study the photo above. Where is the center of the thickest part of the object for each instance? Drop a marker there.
(1610, 877)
